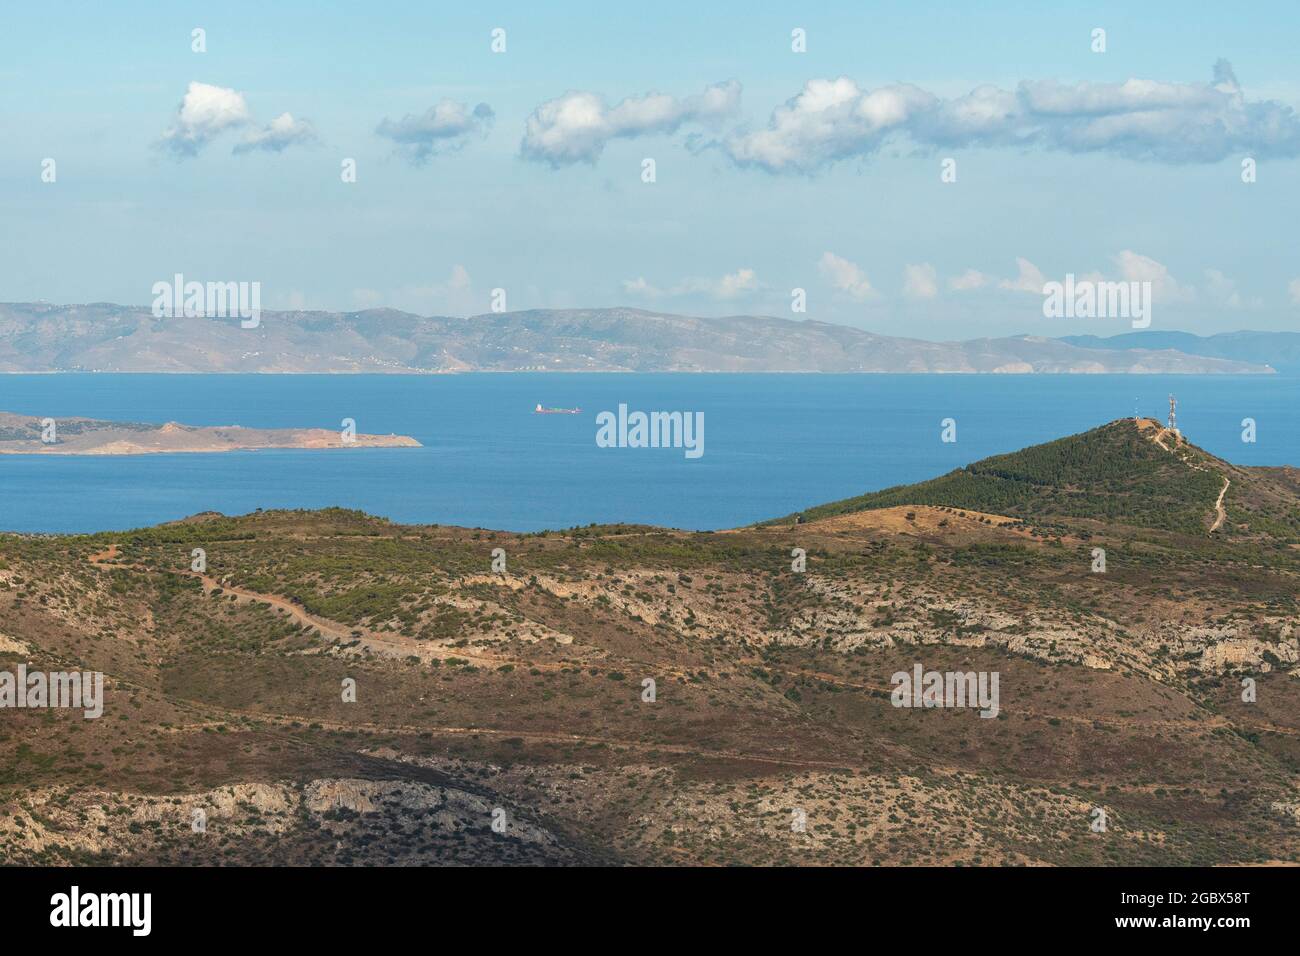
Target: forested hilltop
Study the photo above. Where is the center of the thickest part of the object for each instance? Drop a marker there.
(1130, 471)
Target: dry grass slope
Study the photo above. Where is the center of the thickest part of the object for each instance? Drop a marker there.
(521, 696)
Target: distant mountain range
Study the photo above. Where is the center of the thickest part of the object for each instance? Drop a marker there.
(101, 337)
(1279, 350)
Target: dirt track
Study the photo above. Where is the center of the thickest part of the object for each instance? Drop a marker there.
(1218, 507)
(1160, 433)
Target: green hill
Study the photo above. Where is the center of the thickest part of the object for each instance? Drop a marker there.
(1126, 472)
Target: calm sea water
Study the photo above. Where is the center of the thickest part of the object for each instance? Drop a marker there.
(773, 443)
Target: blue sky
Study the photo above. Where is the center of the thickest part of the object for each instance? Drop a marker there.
(541, 193)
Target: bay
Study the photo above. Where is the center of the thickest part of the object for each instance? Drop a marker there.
(773, 443)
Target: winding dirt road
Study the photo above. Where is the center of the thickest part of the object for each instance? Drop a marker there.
(1220, 515)
(1218, 507)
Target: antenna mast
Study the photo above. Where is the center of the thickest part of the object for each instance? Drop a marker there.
(1173, 415)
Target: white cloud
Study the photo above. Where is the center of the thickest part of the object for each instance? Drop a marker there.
(828, 120)
(968, 280)
(280, 133)
(575, 127)
(368, 298)
(639, 286)
(204, 113)
(730, 286)
(1134, 267)
(443, 127)
(735, 284)
(831, 120)
(459, 280)
(1028, 279)
(920, 281)
(207, 111)
(1222, 290)
(294, 300)
(455, 296)
(845, 276)
(1293, 289)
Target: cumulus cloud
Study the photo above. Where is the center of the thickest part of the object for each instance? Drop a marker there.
(1130, 266)
(969, 280)
(443, 127)
(1139, 268)
(845, 276)
(730, 286)
(575, 127)
(639, 286)
(459, 280)
(1028, 279)
(205, 112)
(454, 296)
(1222, 289)
(282, 132)
(1293, 289)
(920, 281)
(831, 120)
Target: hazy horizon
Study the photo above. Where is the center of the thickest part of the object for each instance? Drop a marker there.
(515, 169)
(668, 313)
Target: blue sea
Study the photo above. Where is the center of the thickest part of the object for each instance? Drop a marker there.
(773, 444)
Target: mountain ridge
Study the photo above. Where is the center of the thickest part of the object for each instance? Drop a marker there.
(1278, 350)
(42, 337)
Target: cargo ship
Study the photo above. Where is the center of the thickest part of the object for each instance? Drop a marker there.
(555, 411)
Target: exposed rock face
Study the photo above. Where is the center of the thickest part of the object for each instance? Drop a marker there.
(1248, 652)
(11, 645)
(388, 820)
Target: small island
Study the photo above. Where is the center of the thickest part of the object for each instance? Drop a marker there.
(29, 435)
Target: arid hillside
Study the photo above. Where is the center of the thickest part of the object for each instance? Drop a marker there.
(329, 687)
(30, 435)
